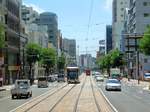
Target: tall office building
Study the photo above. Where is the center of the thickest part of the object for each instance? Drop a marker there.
(139, 19)
(51, 20)
(139, 16)
(118, 21)
(108, 38)
(69, 46)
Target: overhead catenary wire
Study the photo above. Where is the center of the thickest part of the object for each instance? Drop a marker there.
(90, 17)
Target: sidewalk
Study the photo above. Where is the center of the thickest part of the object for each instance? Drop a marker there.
(6, 87)
(133, 82)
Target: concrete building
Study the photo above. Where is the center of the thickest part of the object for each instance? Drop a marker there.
(108, 38)
(139, 16)
(11, 17)
(102, 47)
(59, 40)
(51, 21)
(69, 46)
(29, 15)
(118, 21)
(139, 19)
(86, 61)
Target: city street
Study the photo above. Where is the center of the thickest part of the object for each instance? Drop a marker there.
(7, 104)
(130, 99)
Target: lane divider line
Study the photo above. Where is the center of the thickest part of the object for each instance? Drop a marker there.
(115, 110)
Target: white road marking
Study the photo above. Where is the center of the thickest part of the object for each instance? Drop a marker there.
(108, 100)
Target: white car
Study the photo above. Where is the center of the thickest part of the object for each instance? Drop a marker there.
(99, 78)
(113, 84)
(22, 88)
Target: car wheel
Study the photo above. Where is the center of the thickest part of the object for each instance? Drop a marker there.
(12, 96)
(106, 88)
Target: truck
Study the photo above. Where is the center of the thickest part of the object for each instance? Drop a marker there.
(21, 88)
(115, 73)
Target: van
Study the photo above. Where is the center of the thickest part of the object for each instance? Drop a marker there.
(42, 82)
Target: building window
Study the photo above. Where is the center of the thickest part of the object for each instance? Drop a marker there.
(122, 9)
(146, 15)
(121, 15)
(145, 3)
(121, 3)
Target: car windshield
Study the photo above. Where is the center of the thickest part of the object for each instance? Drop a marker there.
(23, 85)
(113, 81)
(42, 79)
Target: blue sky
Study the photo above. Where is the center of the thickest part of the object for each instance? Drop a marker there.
(73, 19)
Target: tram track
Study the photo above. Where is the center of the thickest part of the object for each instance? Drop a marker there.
(56, 107)
(37, 100)
(77, 101)
(96, 102)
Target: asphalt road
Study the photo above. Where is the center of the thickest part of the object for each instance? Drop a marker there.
(130, 99)
(7, 104)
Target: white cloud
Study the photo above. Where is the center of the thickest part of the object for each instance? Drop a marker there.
(35, 7)
(108, 4)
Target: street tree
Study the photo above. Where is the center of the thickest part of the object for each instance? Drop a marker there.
(61, 62)
(145, 42)
(116, 58)
(33, 52)
(104, 63)
(2, 38)
(48, 59)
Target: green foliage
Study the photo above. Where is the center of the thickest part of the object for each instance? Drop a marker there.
(48, 56)
(112, 59)
(48, 60)
(61, 61)
(116, 58)
(33, 52)
(145, 42)
(2, 36)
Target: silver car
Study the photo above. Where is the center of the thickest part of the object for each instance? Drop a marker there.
(113, 84)
(100, 78)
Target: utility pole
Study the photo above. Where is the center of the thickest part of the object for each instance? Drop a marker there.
(134, 37)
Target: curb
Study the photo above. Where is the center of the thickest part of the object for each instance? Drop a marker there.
(2, 89)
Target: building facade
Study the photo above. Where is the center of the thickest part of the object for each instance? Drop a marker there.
(108, 38)
(118, 21)
(69, 46)
(139, 19)
(102, 47)
(13, 38)
(29, 15)
(139, 16)
(51, 21)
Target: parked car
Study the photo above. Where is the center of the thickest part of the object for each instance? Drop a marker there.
(61, 78)
(147, 76)
(42, 82)
(22, 88)
(51, 78)
(100, 78)
(113, 84)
